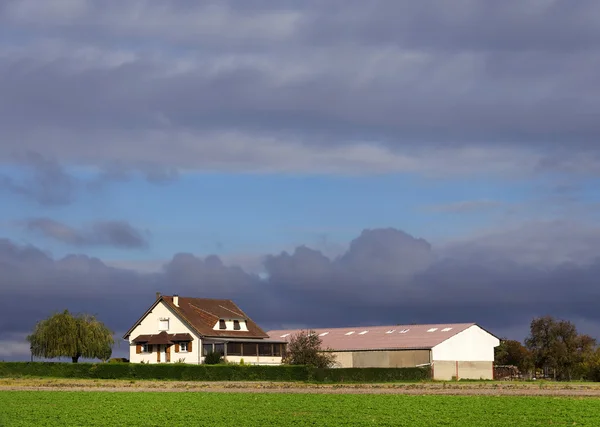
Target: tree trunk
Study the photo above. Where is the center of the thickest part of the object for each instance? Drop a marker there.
(75, 359)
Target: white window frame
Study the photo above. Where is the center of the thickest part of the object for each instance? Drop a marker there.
(160, 322)
(145, 348)
(181, 347)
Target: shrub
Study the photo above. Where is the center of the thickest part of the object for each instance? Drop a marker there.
(221, 372)
(213, 358)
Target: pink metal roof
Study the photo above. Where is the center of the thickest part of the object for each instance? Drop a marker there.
(381, 337)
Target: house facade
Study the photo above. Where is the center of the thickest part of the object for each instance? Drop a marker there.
(180, 329)
(458, 351)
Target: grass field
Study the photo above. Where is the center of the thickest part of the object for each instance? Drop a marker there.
(68, 408)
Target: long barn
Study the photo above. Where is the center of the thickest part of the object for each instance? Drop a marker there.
(460, 350)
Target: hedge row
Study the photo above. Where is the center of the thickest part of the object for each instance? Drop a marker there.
(183, 372)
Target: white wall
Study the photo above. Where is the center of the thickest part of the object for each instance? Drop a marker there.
(255, 360)
(149, 325)
(473, 344)
(230, 326)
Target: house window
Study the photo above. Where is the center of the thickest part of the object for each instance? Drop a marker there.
(277, 350)
(207, 348)
(146, 348)
(234, 349)
(220, 348)
(265, 350)
(249, 349)
(183, 347)
(222, 324)
(236, 325)
(163, 324)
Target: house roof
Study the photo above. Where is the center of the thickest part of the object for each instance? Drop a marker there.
(381, 337)
(201, 315)
(162, 338)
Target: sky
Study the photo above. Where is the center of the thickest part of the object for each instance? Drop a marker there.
(322, 163)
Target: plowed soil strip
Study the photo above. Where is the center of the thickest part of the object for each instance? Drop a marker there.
(488, 389)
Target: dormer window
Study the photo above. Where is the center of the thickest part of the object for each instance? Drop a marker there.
(231, 325)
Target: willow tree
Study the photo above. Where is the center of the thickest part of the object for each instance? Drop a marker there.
(67, 335)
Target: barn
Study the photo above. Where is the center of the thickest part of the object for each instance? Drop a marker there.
(454, 351)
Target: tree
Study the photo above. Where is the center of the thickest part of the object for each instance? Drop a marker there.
(67, 335)
(304, 348)
(511, 352)
(556, 345)
(591, 366)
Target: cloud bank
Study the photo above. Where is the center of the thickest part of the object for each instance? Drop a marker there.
(383, 86)
(384, 277)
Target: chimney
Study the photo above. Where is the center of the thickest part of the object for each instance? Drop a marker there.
(157, 295)
(176, 300)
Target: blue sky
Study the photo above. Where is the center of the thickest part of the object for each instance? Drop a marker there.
(216, 213)
(441, 162)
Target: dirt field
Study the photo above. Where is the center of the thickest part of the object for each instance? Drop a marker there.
(444, 388)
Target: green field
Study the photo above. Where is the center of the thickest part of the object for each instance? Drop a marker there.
(52, 408)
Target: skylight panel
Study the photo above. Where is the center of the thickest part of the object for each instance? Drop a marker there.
(349, 333)
(362, 333)
(446, 329)
(403, 331)
(323, 334)
(432, 330)
(284, 335)
(391, 331)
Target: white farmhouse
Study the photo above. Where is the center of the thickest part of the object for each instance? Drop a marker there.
(179, 329)
(463, 350)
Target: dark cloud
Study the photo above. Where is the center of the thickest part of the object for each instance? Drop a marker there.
(381, 85)
(119, 234)
(535, 243)
(48, 183)
(386, 276)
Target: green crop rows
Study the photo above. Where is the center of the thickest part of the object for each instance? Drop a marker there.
(62, 408)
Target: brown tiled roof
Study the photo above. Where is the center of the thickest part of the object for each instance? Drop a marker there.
(162, 338)
(141, 338)
(180, 337)
(381, 337)
(201, 314)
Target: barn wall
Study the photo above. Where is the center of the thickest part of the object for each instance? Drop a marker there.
(370, 359)
(476, 370)
(381, 358)
(343, 359)
(408, 358)
(447, 370)
(473, 345)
